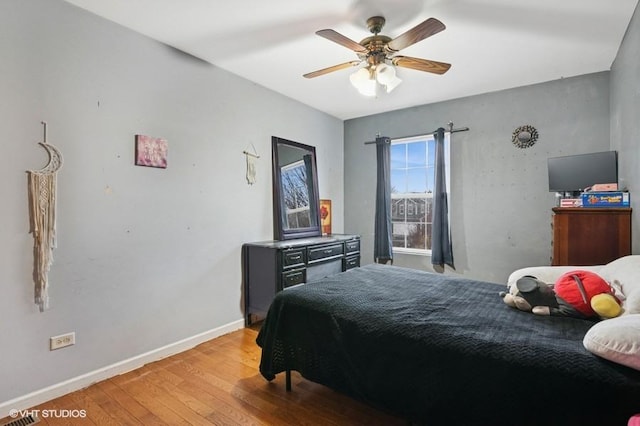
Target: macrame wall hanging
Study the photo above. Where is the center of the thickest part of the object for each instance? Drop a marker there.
(251, 165)
(42, 212)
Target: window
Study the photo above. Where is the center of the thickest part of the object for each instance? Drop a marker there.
(296, 195)
(412, 185)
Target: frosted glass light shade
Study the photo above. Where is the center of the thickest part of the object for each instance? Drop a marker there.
(385, 74)
(364, 82)
(368, 87)
(366, 79)
(358, 77)
(393, 84)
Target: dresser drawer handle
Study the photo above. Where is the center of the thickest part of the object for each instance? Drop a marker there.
(328, 251)
(295, 257)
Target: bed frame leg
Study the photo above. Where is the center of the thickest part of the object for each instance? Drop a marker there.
(288, 380)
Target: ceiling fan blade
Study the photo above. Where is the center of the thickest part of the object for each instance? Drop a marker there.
(421, 31)
(336, 37)
(331, 69)
(421, 64)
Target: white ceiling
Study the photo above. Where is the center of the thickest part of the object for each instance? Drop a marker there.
(491, 44)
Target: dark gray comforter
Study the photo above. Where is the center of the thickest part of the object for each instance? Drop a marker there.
(442, 350)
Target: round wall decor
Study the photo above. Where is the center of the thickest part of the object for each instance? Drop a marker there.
(524, 136)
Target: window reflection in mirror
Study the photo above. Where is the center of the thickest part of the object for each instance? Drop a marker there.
(296, 195)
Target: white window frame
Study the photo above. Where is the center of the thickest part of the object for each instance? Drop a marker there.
(287, 211)
(447, 151)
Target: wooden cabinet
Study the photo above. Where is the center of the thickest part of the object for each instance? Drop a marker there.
(272, 266)
(590, 236)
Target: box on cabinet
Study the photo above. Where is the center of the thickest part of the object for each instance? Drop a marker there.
(605, 199)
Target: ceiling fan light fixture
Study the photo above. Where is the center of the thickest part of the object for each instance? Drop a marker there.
(368, 87)
(358, 77)
(385, 74)
(393, 84)
(364, 81)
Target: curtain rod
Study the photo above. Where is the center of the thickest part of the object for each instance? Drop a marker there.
(451, 130)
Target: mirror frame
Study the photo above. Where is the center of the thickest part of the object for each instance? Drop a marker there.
(279, 232)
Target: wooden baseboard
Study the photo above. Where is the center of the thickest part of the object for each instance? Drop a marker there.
(80, 382)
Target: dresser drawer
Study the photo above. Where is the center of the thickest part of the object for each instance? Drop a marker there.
(317, 254)
(352, 246)
(351, 262)
(292, 258)
(293, 277)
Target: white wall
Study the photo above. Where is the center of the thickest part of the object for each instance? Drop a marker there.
(146, 257)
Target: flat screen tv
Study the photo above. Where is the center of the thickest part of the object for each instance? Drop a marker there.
(574, 173)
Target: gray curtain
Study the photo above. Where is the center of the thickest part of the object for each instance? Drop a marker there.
(383, 246)
(441, 249)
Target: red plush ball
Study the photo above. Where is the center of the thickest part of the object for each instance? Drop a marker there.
(568, 289)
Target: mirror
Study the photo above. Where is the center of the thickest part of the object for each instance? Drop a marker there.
(295, 190)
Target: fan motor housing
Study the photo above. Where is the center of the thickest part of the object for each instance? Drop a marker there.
(375, 46)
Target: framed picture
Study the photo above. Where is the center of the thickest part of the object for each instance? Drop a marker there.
(325, 216)
(151, 152)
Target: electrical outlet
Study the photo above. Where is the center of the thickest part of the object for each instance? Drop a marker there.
(61, 341)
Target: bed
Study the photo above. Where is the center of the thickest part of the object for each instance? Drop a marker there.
(439, 349)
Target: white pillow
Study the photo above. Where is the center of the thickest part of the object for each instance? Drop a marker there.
(616, 339)
(626, 270)
(632, 303)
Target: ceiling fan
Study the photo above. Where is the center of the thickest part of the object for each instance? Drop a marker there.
(380, 52)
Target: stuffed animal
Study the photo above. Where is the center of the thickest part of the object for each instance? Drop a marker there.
(579, 294)
(529, 292)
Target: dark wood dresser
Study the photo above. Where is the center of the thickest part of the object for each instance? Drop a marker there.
(590, 236)
(272, 266)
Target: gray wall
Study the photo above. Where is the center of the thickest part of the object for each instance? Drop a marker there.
(146, 257)
(500, 206)
(625, 117)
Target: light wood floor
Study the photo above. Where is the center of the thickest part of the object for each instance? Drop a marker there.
(215, 383)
